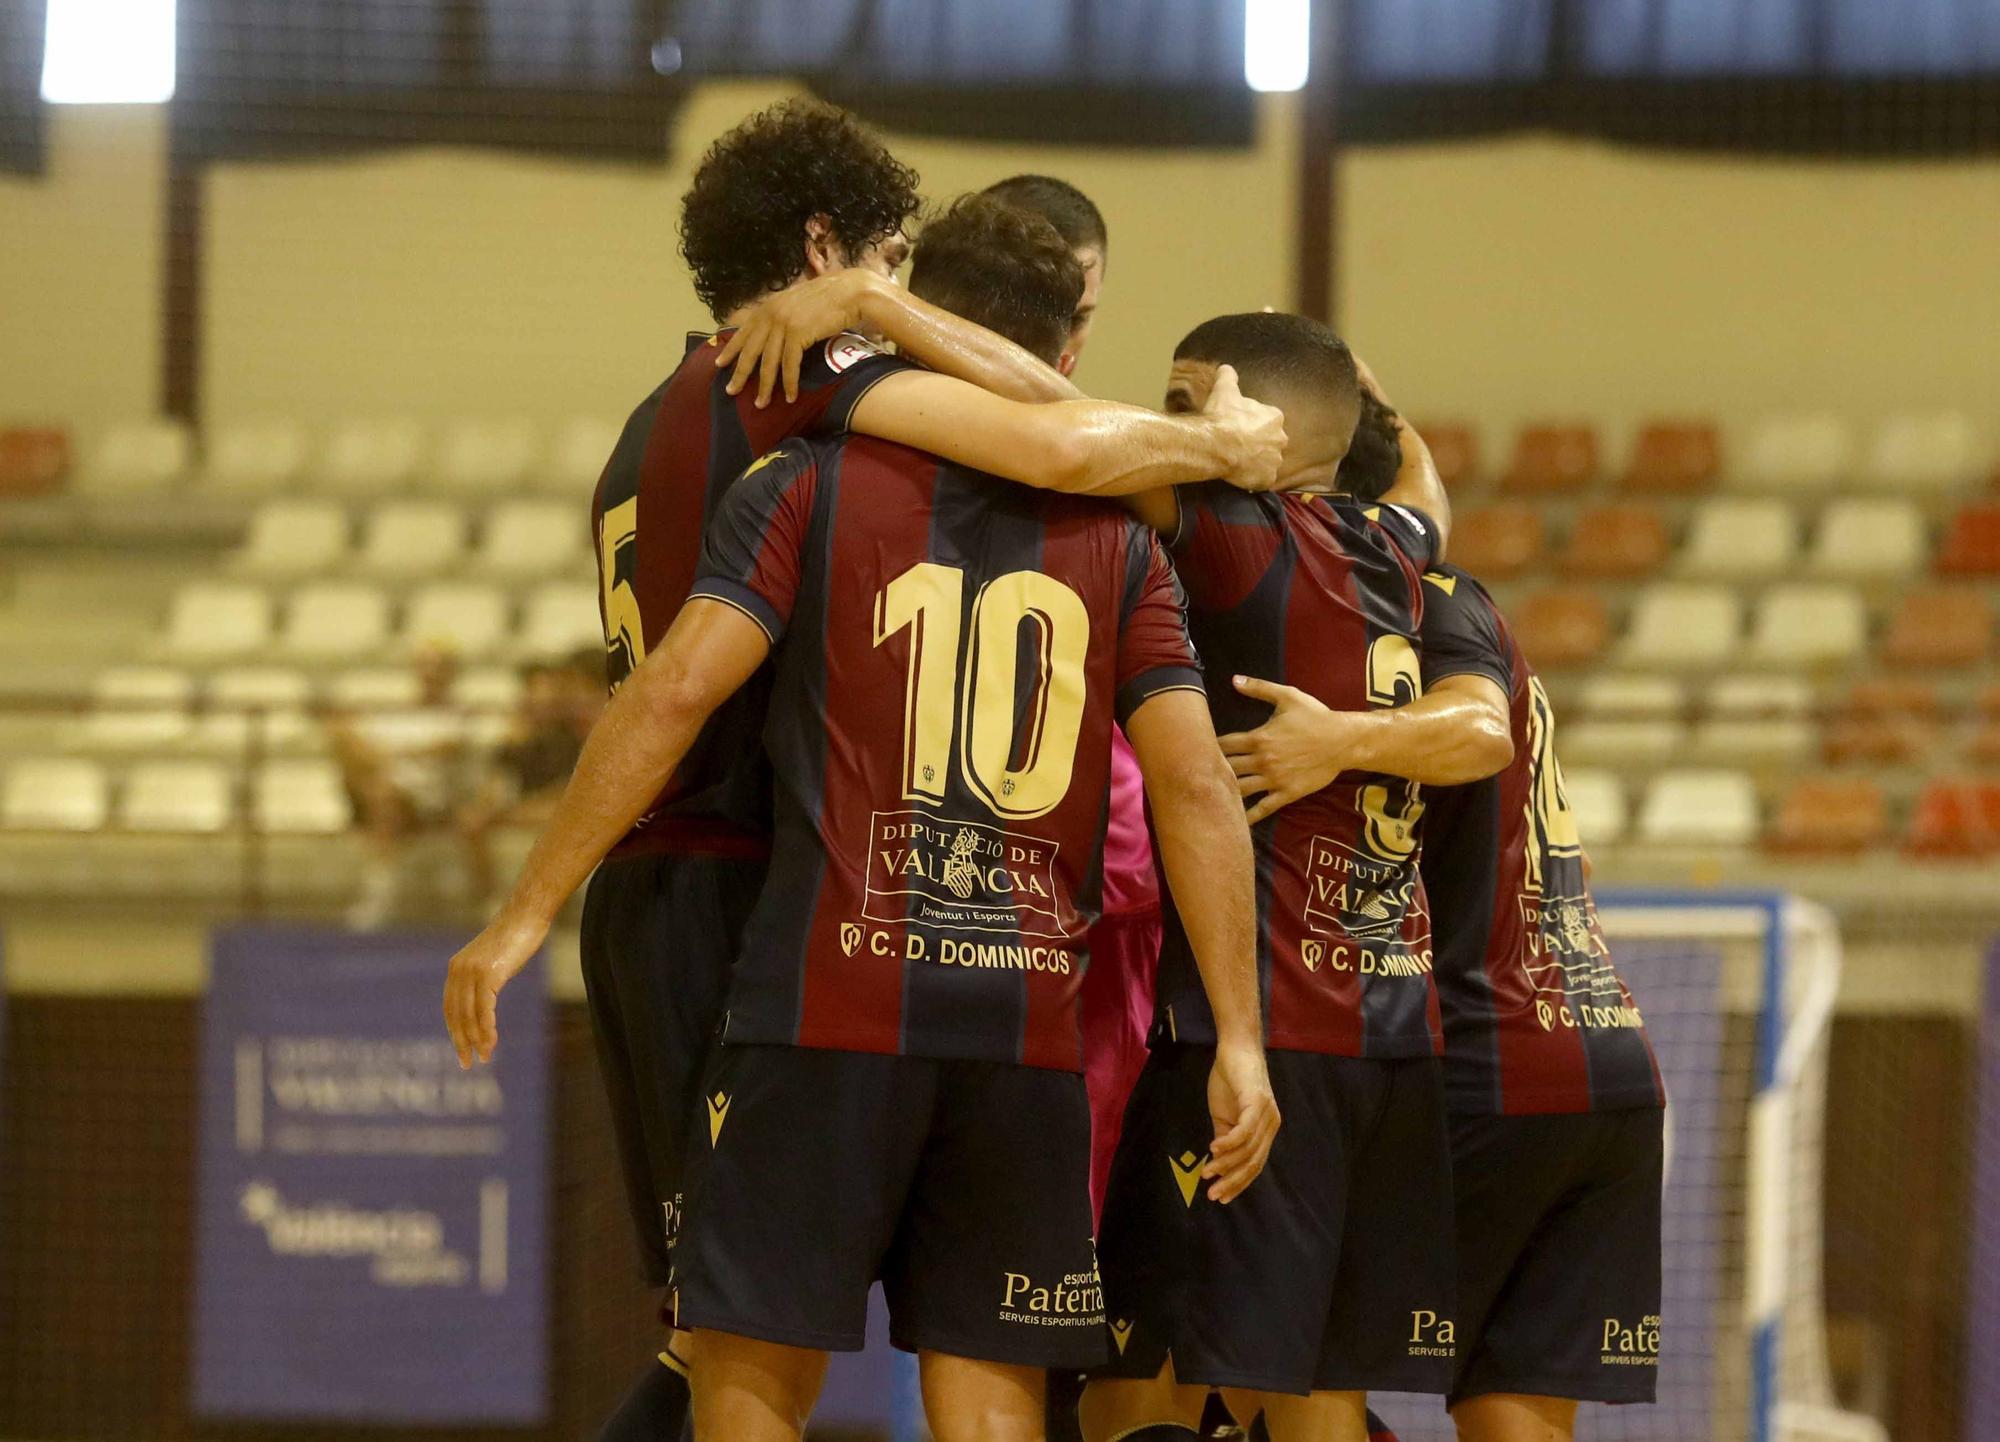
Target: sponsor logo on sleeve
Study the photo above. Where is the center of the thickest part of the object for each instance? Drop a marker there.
(845, 351)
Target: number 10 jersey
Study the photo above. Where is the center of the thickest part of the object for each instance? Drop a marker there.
(950, 654)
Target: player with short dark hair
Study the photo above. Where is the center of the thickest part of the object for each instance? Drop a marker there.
(901, 1025)
(796, 192)
(1006, 287)
(1080, 223)
(1554, 1095)
(1337, 1279)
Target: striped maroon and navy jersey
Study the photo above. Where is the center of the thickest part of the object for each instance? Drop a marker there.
(951, 653)
(679, 452)
(1536, 1018)
(1319, 593)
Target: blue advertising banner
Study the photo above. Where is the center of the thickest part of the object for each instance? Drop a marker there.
(372, 1234)
(1982, 1334)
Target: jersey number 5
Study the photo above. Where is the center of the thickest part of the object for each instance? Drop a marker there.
(968, 692)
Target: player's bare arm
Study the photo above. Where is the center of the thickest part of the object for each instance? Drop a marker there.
(1459, 730)
(1204, 848)
(1417, 484)
(709, 652)
(772, 337)
(1084, 447)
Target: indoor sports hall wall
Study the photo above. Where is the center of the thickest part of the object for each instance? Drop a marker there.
(1489, 281)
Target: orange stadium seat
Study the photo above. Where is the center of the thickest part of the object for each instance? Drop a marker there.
(34, 460)
(1551, 460)
(1986, 739)
(1820, 816)
(1674, 458)
(1956, 819)
(1562, 627)
(1886, 721)
(1496, 542)
(1940, 626)
(1617, 542)
(1454, 451)
(1972, 545)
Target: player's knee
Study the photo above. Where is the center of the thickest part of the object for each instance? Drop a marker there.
(1120, 1407)
(732, 1373)
(971, 1401)
(1505, 1417)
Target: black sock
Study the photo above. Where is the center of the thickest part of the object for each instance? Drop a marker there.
(655, 1410)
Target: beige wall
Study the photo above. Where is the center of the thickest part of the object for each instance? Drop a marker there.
(1494, 281)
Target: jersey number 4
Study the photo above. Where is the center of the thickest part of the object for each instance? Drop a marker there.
(968, 692)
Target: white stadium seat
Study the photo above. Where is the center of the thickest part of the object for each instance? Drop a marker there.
(1597, 801)
(1740, 539)
(288, 539)
(527, 540)
(300, 798)
(1682, 625)
(1807, 452)
(1865, 539)
(484, 456)
(1757, 719)
(1807, 625)
(55, 795)
(489, 695)
(335, 620)
(266, 702)
(176, 796)
(466, 619)
(211, 621)
(577, 455)
(1699, 808)
(1633, 698)
(138, 708)
(370, 457)
(1929, 452)
(254, 457)
(1622, 743)
(374, 688)
(561, 618)
(413, 538)
(147, 455)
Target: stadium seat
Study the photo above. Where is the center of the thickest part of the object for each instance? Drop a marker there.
(1597, 801)
(483, 457)
(1496, 542)
(1616, 542)
(577, 455)
(1806, 624)
(306, 797)
(1929, 452)
(1823, 816)
(1940, 626)
(490, 695)
(1806, 452)
(561, 619)
(136, 708)
(1699, 808)
(175, 796)
(1552, 459)
(1624, 743)
(1740, 538)
(262, 703)
(55, 795)
(1682, 625)
(1454, 449)
(369, 457)
(211, 621)
(1633, 698)
(254, 457)
(374, 688)
(1674, 457)
(1972, 545)
(1757, 719)
(1882, 721)
(1865, 539)
(1955, 819)
(137, 456)
(469, 620)
(335, 620)
(1562, 627)
(1986, 733)
(412, 538)
(527, 540)
(289, 539)
(34, 460)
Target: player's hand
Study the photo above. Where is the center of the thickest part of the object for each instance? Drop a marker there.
(1295, 753)
(472, 987)
(1253, 433)
(771, 342)
(1245, 1117)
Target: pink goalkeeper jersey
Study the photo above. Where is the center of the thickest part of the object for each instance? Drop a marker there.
(1129, 883)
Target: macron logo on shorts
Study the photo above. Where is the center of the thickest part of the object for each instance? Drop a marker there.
(1187, 1174)
(718, 1113)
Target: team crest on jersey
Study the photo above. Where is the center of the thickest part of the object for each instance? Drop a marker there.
(850, 936)
(848, 350)
(1312, 953)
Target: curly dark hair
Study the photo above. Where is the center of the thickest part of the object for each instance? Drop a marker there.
(1007, 269)
(1375, 454)
(744, 218)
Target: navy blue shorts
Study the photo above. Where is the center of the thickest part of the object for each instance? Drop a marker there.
(1559, 1254)
(660, 933)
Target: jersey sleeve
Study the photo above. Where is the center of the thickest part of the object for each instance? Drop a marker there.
(1224, 543)
(1414, 533)
(836, 374)
(752, 553)
(1460, 635)
(1154, 652)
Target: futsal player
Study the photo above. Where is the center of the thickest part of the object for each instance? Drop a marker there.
(897, 1093)
(1081, 224)
(1555, 1100)
(1334, 1275)
(794, 192)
